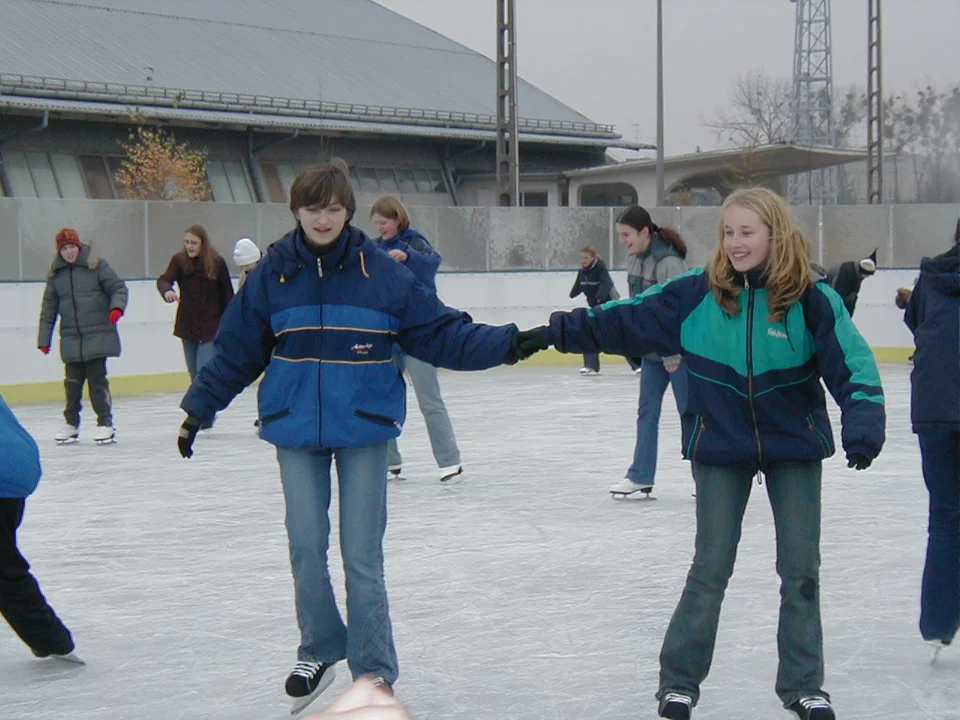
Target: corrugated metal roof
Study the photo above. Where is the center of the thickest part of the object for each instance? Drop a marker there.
(352, 51)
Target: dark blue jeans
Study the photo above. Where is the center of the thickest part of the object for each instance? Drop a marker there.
(654, 379)
(940, 592)
(722, 494)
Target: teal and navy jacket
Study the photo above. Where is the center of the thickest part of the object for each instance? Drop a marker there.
(20, 459)
(322, 330)
(755, 395)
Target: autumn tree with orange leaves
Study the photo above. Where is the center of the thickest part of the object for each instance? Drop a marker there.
(157, 167)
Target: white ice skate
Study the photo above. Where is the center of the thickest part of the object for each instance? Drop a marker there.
(627, 488)
(70, 657)
(587, 372)
(450, 474)
(637, 372)
(938, 646)
(68, 434)
(105, 435)
(393, 472)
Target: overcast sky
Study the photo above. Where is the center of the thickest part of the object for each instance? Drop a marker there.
(599, 56)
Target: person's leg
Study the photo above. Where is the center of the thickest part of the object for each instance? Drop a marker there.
(305, 476)
(591, 361)
(100, 391)
(205, 352)
(722, 494)
(426, 385)
(190, 356)
(794, 492)
(940, 589)
(22, 603)
(653, 384)
(680, 382)
(76, 375)
(363, 521)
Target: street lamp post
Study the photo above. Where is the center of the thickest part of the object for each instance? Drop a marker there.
(661, 190)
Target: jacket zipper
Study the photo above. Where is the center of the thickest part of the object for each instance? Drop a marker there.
(753, 409)
(813, 429)
(320, 356)
(381, 419)
(700, 428)
(266, 419)
(76, 315)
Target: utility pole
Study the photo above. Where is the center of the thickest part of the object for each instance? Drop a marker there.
(508, 141)
(874, 105)
(661, 189)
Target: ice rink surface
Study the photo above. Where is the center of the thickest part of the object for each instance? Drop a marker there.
(523, 592)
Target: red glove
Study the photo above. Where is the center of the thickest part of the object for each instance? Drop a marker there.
(45, 349)
(115, 315)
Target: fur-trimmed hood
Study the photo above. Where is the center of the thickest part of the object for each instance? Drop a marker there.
(89, 256)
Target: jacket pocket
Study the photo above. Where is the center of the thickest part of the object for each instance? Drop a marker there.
(379, 419)
(695, 436)
(824, 445)
(266, 419)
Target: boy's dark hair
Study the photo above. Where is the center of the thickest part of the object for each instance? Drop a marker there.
(323, 185)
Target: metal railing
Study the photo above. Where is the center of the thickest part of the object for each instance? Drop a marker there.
(154, 95)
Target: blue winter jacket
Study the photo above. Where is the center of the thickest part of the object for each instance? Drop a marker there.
(422, 260)
(933, 316)
(19, 459)
(322, 330)
(755, 395)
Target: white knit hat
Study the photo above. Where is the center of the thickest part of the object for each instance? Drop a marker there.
(245, 252)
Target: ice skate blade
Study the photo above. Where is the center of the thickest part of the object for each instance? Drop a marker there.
(68, 441)
(70, 657)
(301, 704)
(636, 495)
(111, 441)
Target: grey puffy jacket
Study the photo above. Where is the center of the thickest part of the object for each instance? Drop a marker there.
(82, 294)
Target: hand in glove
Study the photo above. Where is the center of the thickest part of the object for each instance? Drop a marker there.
(188, 433)
(858, 461)
(527, 342)
(45, 349)
(115, 315)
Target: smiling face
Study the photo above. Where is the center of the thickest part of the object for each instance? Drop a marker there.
(635, 241)
(193, 245)
(387, 227)
(746, 239)
(69, 253)
(322, 225)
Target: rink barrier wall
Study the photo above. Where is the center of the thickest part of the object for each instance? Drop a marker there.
(152, 358)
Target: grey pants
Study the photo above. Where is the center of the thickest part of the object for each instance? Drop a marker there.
(94, 373)
(427, 387)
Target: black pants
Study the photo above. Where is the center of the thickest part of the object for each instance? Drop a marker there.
(94, 373)
(21, 602)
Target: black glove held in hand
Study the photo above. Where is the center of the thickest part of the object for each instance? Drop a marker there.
(188, 433)
(527, 342)
(860, 462)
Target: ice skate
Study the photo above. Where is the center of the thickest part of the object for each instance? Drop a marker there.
(938, 646)
(627, 488)
(68, 434)
(637, 372)
(70, 657)
(813, 707)
(675, 706)
(105, 435)
(586, 372)
(450, 474)
(394, 472)
(307, 681)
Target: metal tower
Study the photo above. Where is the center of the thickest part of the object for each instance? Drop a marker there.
(508, 150)
(813, 97)
(874, 107)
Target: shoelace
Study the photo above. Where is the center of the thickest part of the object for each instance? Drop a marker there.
(677, 697)
(306, 669)
(814, 701)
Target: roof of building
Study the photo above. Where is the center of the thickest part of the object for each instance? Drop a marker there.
(278, 57)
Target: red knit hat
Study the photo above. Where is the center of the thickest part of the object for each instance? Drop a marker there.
(67, 236)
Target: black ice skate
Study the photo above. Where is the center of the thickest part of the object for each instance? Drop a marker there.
(813, 707)
(393, 472)
(675, 706)
(307, 681)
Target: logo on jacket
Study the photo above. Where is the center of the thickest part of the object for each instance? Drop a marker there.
(773, 332)
(363, 349)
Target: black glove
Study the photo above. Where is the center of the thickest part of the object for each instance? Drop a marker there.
(188, 433)
(527, 342)
(860, 462)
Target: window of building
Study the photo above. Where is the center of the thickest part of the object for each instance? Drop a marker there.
(608, 195)
(97, 177)
(228, 180)
(388, 181)
(368, 179)
(43, 175)
(534, 199)
(408, 183)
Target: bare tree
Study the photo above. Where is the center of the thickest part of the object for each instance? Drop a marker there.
(758, 112)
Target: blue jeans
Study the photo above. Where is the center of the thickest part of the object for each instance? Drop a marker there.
(653, 384)
(940, 592)
(591, 361)
(722, 493)
(367, 640)
(197, 354)
(426, 385)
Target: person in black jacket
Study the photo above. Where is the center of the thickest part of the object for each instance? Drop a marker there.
(594, 281)
(847, 277)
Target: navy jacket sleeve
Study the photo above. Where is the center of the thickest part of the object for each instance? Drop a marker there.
(444, 337)
(647, 323)
(422, 260)
(913, 313)
(243, 347)
(577, 288)
(606, 283)
(849, 370)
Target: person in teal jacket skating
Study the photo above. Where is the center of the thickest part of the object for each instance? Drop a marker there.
(757, 330)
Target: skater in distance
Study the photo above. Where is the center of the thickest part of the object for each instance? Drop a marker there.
(85, 292)
(757, 330)
(319, 318)
(593, 281)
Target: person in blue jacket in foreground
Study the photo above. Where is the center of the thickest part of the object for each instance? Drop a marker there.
(757, 330)
(319, 317)
(22, 603)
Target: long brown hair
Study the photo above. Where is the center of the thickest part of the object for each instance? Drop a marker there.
(638, 218)
(788, 259)
(208, 262)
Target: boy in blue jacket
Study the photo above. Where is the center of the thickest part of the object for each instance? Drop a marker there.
(319, 317)
(757, 330)
(22, 603)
